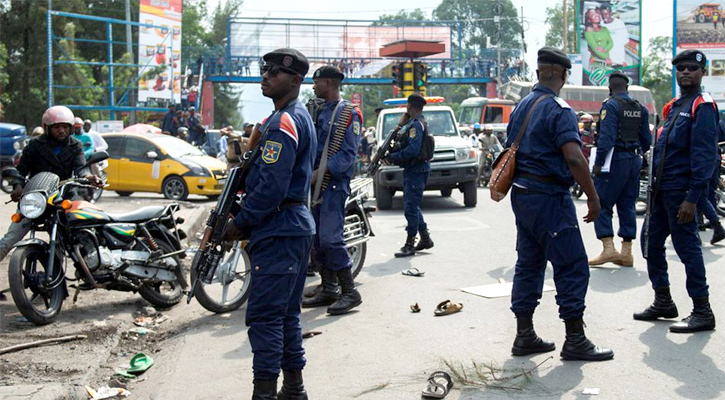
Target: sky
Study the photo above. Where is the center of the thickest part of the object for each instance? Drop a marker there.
(656, 21)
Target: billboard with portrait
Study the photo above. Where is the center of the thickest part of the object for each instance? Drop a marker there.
(700, 25)
(160, 47)
(609, 33)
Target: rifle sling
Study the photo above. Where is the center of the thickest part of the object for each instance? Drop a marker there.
(661, 166)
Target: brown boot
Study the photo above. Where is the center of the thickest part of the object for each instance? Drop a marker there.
(609, 253)
(625, 256)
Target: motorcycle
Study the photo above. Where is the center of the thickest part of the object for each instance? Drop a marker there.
(486, 170)
(228, 288)
(93, 194)
(138, 251)
(5, 184)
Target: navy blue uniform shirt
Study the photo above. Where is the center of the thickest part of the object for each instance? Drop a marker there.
(609, 129)
(342, 164)
(410, 142)
(691, 147)
(552, 125)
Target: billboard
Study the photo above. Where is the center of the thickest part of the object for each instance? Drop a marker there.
(699, 25)
(160, 47)
(609, 33)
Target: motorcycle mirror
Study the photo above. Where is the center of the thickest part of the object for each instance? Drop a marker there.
(96, 157)
(152, 155)
(11, 173)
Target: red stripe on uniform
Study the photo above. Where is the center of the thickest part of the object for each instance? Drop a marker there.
(288, 126)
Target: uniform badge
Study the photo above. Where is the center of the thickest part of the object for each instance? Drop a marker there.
(287, 61)
(271, 151)
(411, 133)
(698, 57)
(356, 127)
(604, 115)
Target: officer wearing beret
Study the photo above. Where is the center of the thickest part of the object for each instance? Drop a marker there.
(684, 156)
(415, 174)
(623, 130)
(280, 228)
(330, 251)
(548, 161)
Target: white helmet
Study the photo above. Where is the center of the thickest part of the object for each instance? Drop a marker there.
(57, 115)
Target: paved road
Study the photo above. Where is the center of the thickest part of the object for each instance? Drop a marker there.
(383, 351)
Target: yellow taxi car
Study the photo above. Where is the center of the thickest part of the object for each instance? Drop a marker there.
(163, 164)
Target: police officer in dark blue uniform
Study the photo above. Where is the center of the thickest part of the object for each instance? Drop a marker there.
(683, 165)
(280, 229)
(329, 246)
(415, 174)
(623, 130)
(548, 162)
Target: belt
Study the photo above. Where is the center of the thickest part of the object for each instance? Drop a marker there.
(289, 203)
(520, 190)
(633, 150)
(539, 178)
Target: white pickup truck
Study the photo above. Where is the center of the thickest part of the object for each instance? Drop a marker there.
(454, 164)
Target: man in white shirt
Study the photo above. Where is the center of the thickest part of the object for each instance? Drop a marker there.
(620, 35)
(99, 144)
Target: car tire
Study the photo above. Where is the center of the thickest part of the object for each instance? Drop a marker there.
(447, 192)
(124, 194)
(384, 197)
(470, 194)
(174, 188)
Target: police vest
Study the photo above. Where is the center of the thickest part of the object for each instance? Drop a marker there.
(629, 120)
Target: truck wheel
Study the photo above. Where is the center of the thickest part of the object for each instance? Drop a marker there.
(446, 192)
(470, 194)
(700, 18)
(384, 197)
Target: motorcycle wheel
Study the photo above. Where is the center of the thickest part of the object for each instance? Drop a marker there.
(357, 255)
(25, 271)
(229, 288)
(167, 293)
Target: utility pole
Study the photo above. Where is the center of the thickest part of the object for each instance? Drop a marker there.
(566, 30)
(523, 45)
(129, 50)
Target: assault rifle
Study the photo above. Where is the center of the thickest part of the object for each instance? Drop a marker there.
(211, 248)
(383, 151)
(650, 189)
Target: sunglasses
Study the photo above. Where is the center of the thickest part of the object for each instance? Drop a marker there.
(273, 70)
(689, 67)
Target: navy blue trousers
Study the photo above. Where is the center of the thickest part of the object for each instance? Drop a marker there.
(619, 187)
(663, 223)
(413, 187)
(547, 230)
(329, 244)
(279, 269)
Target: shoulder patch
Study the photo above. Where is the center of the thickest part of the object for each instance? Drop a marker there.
(561, 102)
(706, 98)
(412, 132)
(271, 151)
(287, 125)
(356, 128)
(603, 115)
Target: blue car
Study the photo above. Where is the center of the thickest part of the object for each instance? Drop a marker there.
(12, 138)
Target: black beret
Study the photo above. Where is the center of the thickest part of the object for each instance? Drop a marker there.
(550, 55)
(289, 58)
(695, 56)
(417, 99)
(619, 74)
(328, 71)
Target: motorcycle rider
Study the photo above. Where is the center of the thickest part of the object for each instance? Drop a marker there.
(82, 137)
(55, 151)
(490, 145)
(586, 133)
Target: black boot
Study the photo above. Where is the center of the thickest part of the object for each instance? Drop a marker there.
(527, 341)
(663, 307)
(701, 223)
(425, 241)
(265, 390)
(350, 296)
(292, 387)
(718, 233)
(701, 319)
(327, 294)
(578, 347)
(408, 249)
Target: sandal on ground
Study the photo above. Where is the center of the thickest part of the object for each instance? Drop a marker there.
(446, 308)
(415, 308)
(412, 271)
(439, 384)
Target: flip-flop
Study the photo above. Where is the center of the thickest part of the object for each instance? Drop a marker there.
(140, 363)
(412, 271)
(439, 384)
(446, 308)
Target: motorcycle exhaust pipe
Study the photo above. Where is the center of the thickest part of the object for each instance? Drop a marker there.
(85, 269)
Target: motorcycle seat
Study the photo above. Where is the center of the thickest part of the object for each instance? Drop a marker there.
(143, 214)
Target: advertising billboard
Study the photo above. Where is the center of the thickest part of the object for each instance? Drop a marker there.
(160, 47)
(700, 25)
(609, 33)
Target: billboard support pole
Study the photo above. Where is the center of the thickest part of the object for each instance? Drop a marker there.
(111, 95)
(674, 46)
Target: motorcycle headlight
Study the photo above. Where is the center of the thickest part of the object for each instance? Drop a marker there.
(32, 205)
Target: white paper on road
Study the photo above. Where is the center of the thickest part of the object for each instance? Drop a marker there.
(502, 289)
(607, 161)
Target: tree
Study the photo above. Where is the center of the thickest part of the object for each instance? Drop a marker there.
(657, 70)
(4, 78)
(555, 20)
(477, 21)
(402, 15)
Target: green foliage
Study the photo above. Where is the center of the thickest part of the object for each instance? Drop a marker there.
(555, 20)
(657, 70)
(402, 15)
(477, 22)
(4, 79)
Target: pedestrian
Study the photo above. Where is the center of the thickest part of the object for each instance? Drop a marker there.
(683, 159)
(99, 144)
(167, 124)
(197, 132)
(247, 129)
(587, 134)
(415, 174)
(280, 228)
(623, 131)
(339, 121)
(548, 162)
(715, 19)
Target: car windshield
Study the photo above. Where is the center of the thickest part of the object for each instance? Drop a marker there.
(177, 147)
(470, 115)
(440, 123)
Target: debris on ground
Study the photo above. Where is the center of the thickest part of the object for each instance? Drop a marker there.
(43, 342)
(106, 392)
(591, 391)
(310, 334)
(415, 308)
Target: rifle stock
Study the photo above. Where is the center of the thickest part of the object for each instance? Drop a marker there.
(650, 190)
(383, 151)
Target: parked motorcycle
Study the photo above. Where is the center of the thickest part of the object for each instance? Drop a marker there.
(5, 184)
(138, 251)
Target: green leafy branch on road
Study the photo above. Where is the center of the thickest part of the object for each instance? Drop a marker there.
(491, 376)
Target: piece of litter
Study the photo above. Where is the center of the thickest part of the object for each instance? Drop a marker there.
(140, 331)
(143, 321)
(591, 391)
(415, 308)
(225, 315)
(125, 374)
(161, 319)
(497, 289)
(106, 393)
(310, 334)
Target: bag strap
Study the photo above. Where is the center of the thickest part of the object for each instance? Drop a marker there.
(661, 166)
(522, 129)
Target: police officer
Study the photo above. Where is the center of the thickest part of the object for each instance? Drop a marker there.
(280, 228)
(415, 174)
(683, 165)
(329, 245)
(623, 129)
(548, 161)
